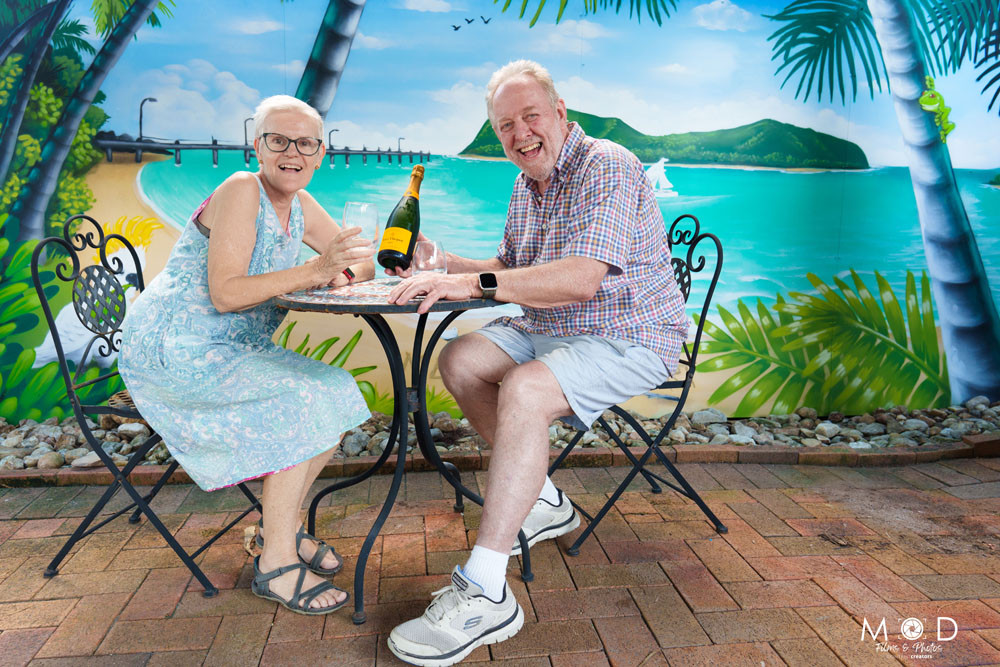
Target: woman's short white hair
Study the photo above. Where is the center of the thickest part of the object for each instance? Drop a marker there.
(277, 103)
(516, 68)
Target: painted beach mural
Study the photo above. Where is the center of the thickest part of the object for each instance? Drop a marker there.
(847, 154)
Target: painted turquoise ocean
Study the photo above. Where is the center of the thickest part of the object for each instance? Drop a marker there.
(775, 226)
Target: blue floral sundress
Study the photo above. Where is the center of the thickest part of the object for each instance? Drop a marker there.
(229, 403)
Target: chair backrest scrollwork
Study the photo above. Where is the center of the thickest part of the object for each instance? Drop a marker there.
(99, 297)
(684, 238)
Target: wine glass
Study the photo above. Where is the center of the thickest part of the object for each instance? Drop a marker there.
(428, 256)
(364, 215)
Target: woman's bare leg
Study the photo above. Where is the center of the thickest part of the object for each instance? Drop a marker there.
(281, 501)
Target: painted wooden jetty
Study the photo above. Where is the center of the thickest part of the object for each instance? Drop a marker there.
(111, 146)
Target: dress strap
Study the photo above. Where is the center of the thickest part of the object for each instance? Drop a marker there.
(265, 198)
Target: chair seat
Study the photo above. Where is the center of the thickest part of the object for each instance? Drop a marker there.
(122, 400)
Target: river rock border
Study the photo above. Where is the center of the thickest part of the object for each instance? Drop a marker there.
(55, 453)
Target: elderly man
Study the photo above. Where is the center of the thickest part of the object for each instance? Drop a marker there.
(585, 254)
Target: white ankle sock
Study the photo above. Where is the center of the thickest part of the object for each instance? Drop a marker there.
(487, 568)
(550, 493)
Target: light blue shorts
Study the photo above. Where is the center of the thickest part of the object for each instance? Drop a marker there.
(593, 372)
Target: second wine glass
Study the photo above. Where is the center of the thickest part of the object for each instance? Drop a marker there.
(428, 256)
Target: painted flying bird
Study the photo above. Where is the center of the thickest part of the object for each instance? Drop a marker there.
(485, 20)
(472, 20)
(455, 27)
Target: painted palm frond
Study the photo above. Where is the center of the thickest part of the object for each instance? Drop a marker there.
(873, 355)
(655, 9)
(989, 63)
(822, 42)
(72, 35)
(108, 13)
(961, 28)
(767, 369)
(842, 348)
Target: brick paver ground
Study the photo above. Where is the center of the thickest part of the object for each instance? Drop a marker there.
(812, 554)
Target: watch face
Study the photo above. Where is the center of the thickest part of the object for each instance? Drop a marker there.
(487, 281)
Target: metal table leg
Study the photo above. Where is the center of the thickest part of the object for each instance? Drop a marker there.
(419, 370)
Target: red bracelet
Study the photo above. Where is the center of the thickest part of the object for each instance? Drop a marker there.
(349, 274)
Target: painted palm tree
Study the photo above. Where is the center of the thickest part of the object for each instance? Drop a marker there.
(911, 38)
(319, 81)
(52, 14)
(119, 23)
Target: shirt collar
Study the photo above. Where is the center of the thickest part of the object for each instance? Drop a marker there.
(570, 148)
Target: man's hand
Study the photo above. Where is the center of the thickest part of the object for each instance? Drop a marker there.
(406, 273)
(434, 287)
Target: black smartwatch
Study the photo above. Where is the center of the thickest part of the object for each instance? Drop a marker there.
(488, 283)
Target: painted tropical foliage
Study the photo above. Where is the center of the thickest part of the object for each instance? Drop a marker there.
(842, 349)
(63, 152)
(825, 47)
(49, 109)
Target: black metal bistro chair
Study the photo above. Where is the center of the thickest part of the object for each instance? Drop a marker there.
(99, 300)
(684, 236)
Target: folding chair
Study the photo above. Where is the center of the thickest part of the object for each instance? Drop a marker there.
(681, 237)
(99, 302)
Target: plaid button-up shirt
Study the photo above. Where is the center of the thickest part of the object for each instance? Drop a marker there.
(598, 204)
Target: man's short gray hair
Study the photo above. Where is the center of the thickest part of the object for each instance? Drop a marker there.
(517, 68)
(277, 103)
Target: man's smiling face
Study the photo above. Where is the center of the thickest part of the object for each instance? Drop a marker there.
(531, 132)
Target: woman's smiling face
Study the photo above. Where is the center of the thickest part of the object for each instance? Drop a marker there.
(288, 170)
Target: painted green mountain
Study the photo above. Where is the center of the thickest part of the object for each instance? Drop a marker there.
(766, 143)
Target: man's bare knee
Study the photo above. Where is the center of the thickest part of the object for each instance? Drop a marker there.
(532, 385)
(472, 358)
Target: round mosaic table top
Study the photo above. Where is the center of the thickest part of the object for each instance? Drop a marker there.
(366, 297)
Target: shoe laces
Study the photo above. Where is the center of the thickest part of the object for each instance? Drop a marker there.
(446, 602)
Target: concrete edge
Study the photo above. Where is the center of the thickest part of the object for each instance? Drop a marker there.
(972, 446)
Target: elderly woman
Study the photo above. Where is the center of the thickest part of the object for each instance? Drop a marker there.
(198, 360)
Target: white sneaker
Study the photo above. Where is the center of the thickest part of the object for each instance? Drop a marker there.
(546, 521)
(458, 621)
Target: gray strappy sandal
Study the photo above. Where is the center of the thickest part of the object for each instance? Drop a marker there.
(300, 600)
(322, 549)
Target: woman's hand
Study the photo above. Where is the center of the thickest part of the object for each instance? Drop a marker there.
(344, 249)
(406, 273)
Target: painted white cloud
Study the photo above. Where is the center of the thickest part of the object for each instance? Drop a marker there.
(704, 61)
(427, 5)
(571, 37)
(291, 69)
(364, 41)
(479, 73)
(454, 117)
(194, 94)
(722, 15)
(673, 68)
(256, 26)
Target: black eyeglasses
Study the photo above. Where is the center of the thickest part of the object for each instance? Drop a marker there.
(279, 143)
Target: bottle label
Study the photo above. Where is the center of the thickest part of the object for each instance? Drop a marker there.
(396, 238)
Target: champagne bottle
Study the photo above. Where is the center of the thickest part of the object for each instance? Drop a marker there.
(400, 235)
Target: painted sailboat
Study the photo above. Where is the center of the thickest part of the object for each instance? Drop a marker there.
(662, 187)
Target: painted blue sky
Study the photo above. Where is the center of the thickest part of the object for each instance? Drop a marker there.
(411, 75)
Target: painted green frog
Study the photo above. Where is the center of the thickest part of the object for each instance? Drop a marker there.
(931, 100)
